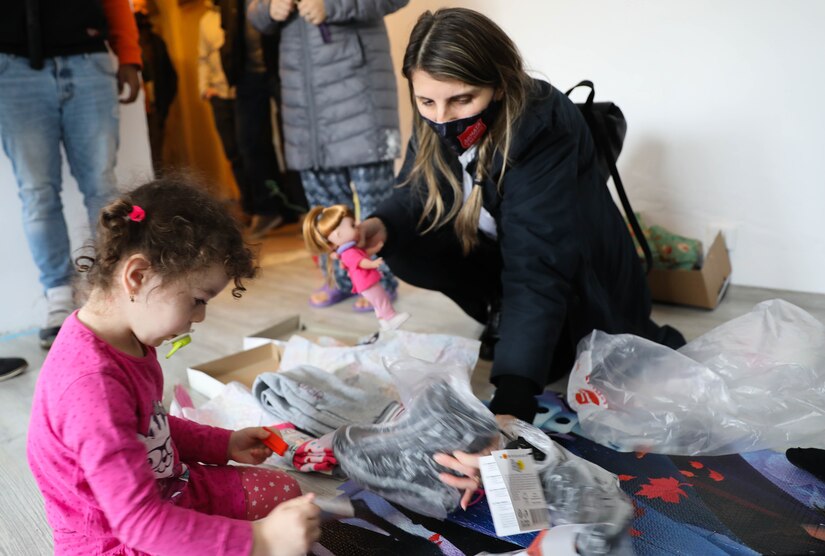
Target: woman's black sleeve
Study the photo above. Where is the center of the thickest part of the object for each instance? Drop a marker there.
(540, 252)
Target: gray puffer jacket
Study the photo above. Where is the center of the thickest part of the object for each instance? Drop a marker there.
(339, 103)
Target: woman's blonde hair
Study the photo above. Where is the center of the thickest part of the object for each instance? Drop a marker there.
(318, 224)
(463, 45)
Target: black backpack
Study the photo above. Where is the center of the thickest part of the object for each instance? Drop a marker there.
(608, 128)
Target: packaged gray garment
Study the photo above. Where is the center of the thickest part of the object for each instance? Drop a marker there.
(319, 402)
(577, 492)
(395, 460)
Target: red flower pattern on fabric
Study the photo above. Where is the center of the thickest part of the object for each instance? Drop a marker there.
(715, 475)
(665, 488)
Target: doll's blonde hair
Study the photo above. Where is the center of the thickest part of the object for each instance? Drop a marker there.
(319, 223)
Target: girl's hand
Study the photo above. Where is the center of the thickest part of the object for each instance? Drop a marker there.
(246, 445)
(467, 465)
(289, 530)
(373, 234)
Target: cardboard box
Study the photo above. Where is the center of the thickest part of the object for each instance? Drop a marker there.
(262, 353)
(210, 377)
(295, 324)
(699, 288)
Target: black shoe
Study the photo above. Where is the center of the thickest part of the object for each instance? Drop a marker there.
(671, 337)
(11, 367)
(489, 337)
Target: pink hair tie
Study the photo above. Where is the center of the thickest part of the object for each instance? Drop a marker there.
(137, 214)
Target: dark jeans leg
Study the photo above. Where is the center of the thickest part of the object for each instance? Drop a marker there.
(255, 143)
(434, 261)
(223, 112)
(294, 190)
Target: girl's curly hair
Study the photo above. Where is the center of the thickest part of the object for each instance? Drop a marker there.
(184, 230)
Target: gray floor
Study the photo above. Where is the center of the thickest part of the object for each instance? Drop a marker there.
(287, 279)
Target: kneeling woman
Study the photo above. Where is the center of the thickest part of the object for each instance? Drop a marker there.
(503, 208)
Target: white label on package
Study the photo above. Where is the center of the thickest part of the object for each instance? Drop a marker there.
(514, 492)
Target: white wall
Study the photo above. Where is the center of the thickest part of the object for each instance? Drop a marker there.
(22, 306)
(725, 110)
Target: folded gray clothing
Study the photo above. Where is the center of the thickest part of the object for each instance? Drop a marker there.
(319, 402)
(395, 460)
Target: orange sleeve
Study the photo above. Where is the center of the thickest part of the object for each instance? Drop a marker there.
(123, 33)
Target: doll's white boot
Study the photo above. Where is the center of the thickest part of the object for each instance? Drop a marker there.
(394, 322)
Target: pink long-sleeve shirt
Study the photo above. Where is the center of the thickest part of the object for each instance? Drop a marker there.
(118, 475)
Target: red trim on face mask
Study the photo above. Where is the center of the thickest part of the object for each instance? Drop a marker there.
(469, 136)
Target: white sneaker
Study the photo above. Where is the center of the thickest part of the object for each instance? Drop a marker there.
(59, 305)
(393, 323)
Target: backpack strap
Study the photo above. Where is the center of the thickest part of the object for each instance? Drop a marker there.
(603, 147)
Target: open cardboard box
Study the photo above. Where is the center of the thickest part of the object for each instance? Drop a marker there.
(210, 377)
(700, 288)
(262, 354)
(295, 324)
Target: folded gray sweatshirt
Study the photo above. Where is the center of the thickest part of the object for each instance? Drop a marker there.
(319, 402)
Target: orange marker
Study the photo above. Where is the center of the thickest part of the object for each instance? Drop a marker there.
(275, 443)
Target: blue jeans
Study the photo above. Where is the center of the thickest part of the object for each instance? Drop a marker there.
(73, 101)
(373, 183)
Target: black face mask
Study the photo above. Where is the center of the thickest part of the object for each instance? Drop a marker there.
(462, 134)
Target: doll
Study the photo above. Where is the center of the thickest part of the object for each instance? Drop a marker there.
(333, 230)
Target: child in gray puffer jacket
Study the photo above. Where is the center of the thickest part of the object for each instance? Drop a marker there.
(339, 107)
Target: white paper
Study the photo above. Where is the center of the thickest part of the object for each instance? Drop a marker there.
(514, 492)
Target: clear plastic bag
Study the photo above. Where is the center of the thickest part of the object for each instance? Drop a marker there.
(755, 382)
(395, 460)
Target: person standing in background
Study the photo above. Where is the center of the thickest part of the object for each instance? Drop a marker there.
(340, 107)
(250, 62)
(160, 85)
(60, 86)
(214, 88)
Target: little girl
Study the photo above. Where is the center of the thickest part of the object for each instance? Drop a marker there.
(117, 474)
(333, 229)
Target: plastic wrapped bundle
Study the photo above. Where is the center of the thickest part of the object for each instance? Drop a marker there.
(395, 460)
(577, 491)
(756, 382)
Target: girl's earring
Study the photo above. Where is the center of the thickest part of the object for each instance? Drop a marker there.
(132, 297)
